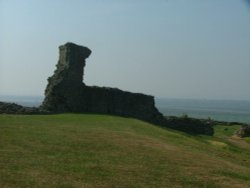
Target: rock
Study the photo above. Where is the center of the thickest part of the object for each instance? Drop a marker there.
(12, 108)
(244, 131)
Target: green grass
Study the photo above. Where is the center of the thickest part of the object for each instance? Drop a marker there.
(226, 130)
(73, 150)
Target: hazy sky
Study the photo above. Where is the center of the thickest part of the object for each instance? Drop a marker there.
(167, 48)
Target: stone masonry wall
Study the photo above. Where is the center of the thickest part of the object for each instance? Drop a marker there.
(66, 91)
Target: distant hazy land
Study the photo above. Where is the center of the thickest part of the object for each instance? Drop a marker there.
(222, 110)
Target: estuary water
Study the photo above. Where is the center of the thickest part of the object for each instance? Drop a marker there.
(222, 110)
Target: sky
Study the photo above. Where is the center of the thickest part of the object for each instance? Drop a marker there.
(166, 48)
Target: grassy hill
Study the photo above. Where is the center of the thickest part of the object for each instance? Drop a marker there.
(73, 150)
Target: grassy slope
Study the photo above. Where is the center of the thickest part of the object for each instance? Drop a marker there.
(73, 150)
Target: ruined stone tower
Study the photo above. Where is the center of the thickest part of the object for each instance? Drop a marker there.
(66, 91)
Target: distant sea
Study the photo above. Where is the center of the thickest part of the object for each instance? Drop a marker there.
(221, 110)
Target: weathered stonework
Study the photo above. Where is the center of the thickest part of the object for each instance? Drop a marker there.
(12, 108)
(66, 91)
(244, 131)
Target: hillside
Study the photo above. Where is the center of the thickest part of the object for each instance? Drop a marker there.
(74, 150)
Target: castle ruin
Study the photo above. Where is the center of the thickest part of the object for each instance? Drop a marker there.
(66, 91)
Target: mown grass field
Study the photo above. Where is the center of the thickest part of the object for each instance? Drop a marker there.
(73, 150)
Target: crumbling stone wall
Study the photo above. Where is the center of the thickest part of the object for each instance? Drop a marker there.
(12, 108)
(66, 91)
(244, 131)
(114, 101)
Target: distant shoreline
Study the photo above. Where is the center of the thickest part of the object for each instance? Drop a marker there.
(219, 110)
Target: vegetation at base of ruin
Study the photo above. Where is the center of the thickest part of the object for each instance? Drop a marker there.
(86, 150)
